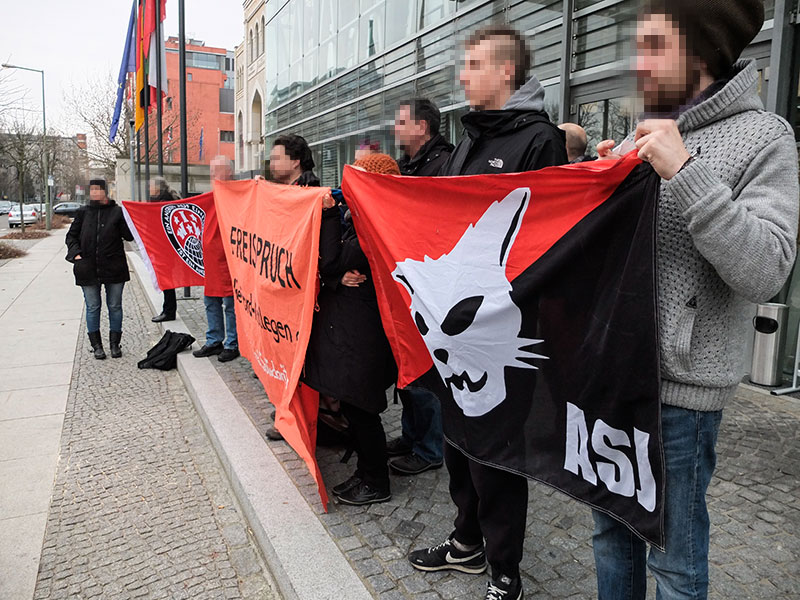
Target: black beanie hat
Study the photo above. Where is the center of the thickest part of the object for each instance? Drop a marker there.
(716, 30)
(100, 182)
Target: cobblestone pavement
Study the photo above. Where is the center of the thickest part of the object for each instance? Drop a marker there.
(754, 502)
(141, 506)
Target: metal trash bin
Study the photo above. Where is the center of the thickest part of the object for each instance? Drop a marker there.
(770, 334)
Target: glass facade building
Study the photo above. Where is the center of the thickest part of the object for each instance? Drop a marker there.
(337, 69)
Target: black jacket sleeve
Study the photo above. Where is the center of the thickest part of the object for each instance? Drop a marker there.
(73, 239)
(125, 231)
(330, 246)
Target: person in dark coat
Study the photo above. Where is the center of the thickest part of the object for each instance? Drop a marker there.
(161, 192)
(416, 133)
(96, 250)
(349, 357)
(420, 446)
(508, 131)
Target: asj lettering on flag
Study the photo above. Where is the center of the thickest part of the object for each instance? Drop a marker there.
(528, 302)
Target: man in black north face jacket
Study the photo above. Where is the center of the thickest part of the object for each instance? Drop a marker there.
(507, 132)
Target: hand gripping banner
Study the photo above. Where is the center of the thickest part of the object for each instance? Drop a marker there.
(528, 301)
(180, 243)
(270, 234)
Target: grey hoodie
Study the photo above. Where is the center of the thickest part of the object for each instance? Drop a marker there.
(529, 97)
(727, 227)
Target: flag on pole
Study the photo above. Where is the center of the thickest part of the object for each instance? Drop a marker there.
(146, 57)
(128, 66)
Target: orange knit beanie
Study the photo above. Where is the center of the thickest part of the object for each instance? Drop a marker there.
(382, 164)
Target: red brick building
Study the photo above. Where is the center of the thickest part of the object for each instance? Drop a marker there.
(209, 103)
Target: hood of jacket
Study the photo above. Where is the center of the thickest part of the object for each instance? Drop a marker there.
(738, 95)
(524, 107)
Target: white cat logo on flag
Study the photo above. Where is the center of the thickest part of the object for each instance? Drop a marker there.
(184, 224)
(467, 318)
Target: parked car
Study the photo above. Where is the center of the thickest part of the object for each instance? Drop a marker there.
(5, 207)
(31, 214)
(66, 208)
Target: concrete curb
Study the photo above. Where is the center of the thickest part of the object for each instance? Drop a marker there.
(304, 560)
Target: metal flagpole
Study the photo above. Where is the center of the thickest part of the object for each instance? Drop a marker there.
(147, 138)
(182, 76)
(131, 124)
(159, 41)
(138, 168)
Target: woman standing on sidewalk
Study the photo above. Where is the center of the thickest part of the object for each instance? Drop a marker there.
(95, 247)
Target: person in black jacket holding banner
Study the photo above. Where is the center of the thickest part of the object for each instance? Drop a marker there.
(420, 447)
(161, 192)
(348, 356)
(507, 131)
(96, 250)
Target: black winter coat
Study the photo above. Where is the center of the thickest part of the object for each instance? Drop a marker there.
(507, 141)
(97, 234)
(429, 160)
(348, 357)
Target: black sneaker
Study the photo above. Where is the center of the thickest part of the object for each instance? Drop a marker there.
(346, 485)
(412, 464)
(362, 493)
(163, 317)
(208, 350)
(228, 354)
(398, 447)
(273, 434)
(504, 588)
(446, 556)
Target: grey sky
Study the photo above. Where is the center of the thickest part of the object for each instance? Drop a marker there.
(73, 40)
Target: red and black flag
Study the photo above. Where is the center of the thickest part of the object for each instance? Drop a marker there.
(528, 300)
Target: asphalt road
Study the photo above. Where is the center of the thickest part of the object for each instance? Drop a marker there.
(4, 224)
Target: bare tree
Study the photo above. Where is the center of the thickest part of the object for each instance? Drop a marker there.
(21, 150)
(92, 104)
(12, 95)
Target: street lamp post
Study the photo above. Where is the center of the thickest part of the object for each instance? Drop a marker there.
(45, 168)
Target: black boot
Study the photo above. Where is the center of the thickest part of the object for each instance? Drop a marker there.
(113, 341)
(97, 345)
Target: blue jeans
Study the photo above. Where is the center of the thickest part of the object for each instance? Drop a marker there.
(422, 423)
(91, 294)
(217, 327)
(689, 437)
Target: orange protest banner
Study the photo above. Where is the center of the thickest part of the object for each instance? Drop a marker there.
(271, 237)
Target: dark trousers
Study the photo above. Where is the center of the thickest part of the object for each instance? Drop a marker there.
(492, 504)
(370, 444)
(170, 305)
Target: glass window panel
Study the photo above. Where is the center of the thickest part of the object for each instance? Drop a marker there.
(370, 111)
(525, 15)
(296, 30)
(552, 101)
(367, 4)
(546, 50)
(346, 119)
(348, 12)
(438, 86)
(327, 97)
(327, 19)
(400, 64)
(602, 37)
(327, 125)
(310, 69)
(436, 48)
(591, 116)
(371, 33)
(370, 77)
(311, 25)
(769, 9)
(347, 87)
(433, 11)
(327, 59)
(348, 46)
(400, 20)
(284, 30)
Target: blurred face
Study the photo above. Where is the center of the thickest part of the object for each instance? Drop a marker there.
(407, 131)
(220, 171)
(97, 194)
(487, 83)
(282, 168)
(667, 75)
(153, 188)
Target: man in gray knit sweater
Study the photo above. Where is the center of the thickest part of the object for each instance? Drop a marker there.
(727, 225)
